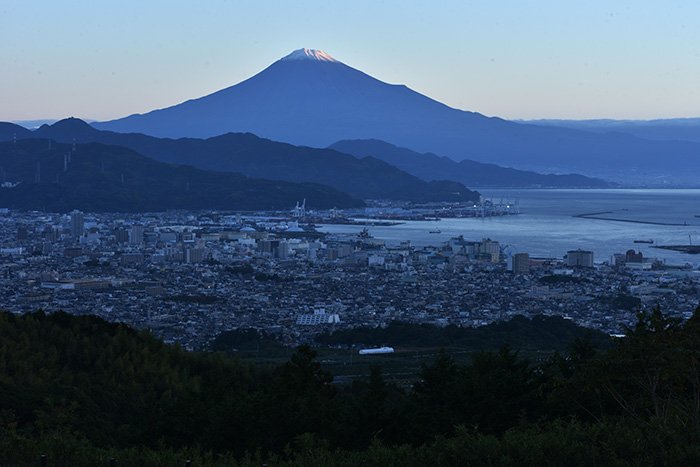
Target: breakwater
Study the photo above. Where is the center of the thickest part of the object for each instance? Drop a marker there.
(597, 216)
(689, 249)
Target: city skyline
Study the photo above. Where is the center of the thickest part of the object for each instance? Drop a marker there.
(543, 59)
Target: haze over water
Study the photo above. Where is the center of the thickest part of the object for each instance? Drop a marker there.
(546, 226)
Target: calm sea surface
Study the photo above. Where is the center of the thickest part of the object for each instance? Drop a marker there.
(547, 227)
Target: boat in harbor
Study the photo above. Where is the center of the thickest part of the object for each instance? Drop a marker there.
(364, 234)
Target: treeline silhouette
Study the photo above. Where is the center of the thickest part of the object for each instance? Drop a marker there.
(537, 333)
(81, 391)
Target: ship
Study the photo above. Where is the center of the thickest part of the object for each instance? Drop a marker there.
(364, 235)
(436, 231)
(650, 241)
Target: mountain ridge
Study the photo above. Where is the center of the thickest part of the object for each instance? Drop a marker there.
(366, 178)
(317, 103)
(97, 177)
(429, 166)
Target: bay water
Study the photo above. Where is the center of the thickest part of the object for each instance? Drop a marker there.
(547, 225)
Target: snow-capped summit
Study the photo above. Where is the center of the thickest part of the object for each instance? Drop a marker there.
(310, 54)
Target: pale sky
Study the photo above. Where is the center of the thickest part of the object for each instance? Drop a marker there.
(514, 59)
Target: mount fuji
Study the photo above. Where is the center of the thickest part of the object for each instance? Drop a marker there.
(306, 98)
(309, 98)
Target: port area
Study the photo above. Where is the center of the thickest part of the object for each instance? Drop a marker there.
(362, 222)
(393, 211)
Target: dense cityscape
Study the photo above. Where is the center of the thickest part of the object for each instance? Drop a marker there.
(188, 276)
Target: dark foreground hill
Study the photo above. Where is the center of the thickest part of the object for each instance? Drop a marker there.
(82, 390)
(472, 173)
(365, 178)
(43, 175)
(538, 333)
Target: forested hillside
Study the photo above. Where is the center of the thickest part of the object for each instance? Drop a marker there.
(48, 176)
(82, 390)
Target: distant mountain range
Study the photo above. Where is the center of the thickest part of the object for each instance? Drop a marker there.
(10, 131)
(430, 166)
(670, 129)
(48, 176)
(33, 124)
(309, 98)
(366, 178)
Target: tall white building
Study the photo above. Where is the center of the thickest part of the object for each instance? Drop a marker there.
(581, 258)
